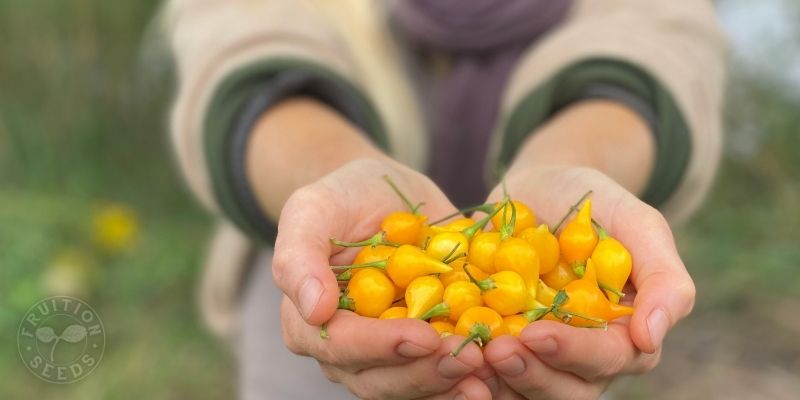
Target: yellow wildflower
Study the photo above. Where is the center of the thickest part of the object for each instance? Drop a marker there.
(115, 227)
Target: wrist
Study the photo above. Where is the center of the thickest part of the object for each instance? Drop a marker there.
(599, 134)
(295, 143)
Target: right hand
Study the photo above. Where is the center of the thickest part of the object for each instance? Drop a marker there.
(386, 359)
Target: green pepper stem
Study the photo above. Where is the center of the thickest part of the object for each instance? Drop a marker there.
(567, 315)
(439, 310)
(414, 209)
(471, 338)
(345, 276)
(560, 298)
(427, 242)
(601, 232)
(453, 250)
(537, 313)
(486, 208)
(375, 240)
(472, 230)
(610, 289)
(503, 185)
(572, 208)
(346, 303)
(484, 285)
(323, 331)
(455, 257)
(579, 267)
(479, 333)
(507, 229)
(374, 264)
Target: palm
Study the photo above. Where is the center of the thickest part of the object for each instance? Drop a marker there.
(662, 290)
(374, 358)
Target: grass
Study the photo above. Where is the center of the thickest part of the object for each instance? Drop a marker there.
(82, 124)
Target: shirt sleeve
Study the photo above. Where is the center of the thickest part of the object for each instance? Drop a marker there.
(235, 59)
(664, 59)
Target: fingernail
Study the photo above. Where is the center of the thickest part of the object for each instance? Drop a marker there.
(450, 368)
(460, 396)
(543, 345)
(657, 324)
(491, 383)
(511, 366)
(310, 292)
(412, 350)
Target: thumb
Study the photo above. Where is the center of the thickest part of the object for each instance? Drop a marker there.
(300, 266)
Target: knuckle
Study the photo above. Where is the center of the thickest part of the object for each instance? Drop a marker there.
(651, 362)
(652, 219)
(290, 337)
(330, 373)
(292, 344)
(280, 264)
(646, 363)
(302, 196)
(424, 383)
(362, 391)
(687, 293)
(327, 353)
(613, 365)
(535, 385)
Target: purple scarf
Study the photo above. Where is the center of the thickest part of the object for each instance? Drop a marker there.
(484, 39)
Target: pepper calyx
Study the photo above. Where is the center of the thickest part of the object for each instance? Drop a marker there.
(439, 310)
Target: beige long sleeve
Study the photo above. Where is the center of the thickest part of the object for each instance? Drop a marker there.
(216, 42)
(679, 44)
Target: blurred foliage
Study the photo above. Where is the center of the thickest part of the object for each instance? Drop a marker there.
(82, 124)
(746, 236)
(81, 127)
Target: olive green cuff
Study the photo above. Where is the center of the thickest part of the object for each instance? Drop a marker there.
(233, 110)
(669, 125)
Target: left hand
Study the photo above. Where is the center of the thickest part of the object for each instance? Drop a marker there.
(551, 360)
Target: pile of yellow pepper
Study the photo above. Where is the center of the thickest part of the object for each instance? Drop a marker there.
(480, 284)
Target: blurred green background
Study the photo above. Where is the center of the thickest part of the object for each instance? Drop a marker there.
(90, 203)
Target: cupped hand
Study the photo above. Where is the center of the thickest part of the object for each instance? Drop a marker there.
(551, 360)
(374, 358)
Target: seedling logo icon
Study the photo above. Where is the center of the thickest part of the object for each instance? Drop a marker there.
(61, 339)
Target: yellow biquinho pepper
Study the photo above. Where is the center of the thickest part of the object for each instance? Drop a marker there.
(578, 238)
(458, 297)
(546, 245)
(372, 292)
(394, 313)
(479, 324)
(504, 291)
(613, 263)
(422, 294)
(586, 305)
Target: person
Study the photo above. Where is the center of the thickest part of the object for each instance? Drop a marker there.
(288, 113)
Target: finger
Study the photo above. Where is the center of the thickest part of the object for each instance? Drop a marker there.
(527, 375)
(469, 388)
(486, 374)
(300, 265)
(665, 291)
(589, 353)
(433, 374)
(355, 342)
(661, 301)
(506, 392)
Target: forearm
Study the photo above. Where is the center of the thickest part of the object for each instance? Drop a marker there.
(599, 134)
(294, 144)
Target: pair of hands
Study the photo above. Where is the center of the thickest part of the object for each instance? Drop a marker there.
(405, 358)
